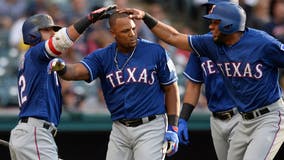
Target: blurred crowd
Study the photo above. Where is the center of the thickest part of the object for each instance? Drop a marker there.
(81, 97)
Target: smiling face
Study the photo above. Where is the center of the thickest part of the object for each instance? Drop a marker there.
(214, 29)
(123, 30)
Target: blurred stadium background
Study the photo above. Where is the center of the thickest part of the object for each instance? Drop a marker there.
(84, 129)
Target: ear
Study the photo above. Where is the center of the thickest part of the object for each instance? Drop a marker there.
(112, 33)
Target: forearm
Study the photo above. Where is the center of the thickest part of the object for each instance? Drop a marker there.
(167, 33)
(75, 72)
(172, 101)
(192, 93)
(75, 30)
(190, 99)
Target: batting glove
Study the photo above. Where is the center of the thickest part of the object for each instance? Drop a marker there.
(183, 131)
(57, 64)
(171, 140)
(101, 13)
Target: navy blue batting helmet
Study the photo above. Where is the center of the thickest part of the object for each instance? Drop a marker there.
(33, 24)
(232, 17)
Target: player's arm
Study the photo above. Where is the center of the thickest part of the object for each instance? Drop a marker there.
(190, 100)
(192, 93)
(65, 37)
(76, 71)
(172, 101)
(163, 31)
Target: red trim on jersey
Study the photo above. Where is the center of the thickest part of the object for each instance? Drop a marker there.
(52, 48)
(37, 151)
(175, 128)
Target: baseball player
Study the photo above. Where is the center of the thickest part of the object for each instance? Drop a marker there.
(224, 117)
(248, 60)
(139, 84)
(39, 93)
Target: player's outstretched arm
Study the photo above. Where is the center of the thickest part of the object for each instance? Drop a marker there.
(76, 71)
(80, 26)
(165, 32)
(65, 37)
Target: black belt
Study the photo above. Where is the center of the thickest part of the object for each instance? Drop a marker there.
(45, 125)
(255, 113)
(224, 115)
(137, 122)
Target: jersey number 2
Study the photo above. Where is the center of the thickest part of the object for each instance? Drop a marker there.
(22, 86)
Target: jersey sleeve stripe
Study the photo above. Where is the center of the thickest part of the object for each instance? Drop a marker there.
(52, 48)
(191, 79)
(48, 55)
(90, 71)
(191, 44)
(170, 82)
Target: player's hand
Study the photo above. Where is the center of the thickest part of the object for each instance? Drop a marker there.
(171, 141)
(56, 64)
(133, 13)
(101, 13)
(183, 131)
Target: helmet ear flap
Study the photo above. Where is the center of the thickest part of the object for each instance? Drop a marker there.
(31, 35)
(227, 28)
(35, 37)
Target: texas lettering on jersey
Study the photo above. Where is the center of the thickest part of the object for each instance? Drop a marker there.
(233, 69)
(132, 76)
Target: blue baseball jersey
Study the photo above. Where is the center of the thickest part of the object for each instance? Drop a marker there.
(131, 84)
(39, 92)
(250, 67)
(203, 70)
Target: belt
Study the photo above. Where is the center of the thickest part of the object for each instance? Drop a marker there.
(225, 115)
(255, 113)
(40, 123)
(137, 122)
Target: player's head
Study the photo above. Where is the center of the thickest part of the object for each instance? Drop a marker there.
(229, 17)
(33, 26)
(123, 30)
(210, 3)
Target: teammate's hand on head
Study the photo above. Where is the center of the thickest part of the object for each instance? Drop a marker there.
(171, 141)
(133, 13)
(183, 131)
(102, 13)
(56, 64)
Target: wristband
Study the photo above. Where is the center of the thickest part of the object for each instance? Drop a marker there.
(82, 24)
(186, 111)
(173, 120)
(63, 71)
(149, 20)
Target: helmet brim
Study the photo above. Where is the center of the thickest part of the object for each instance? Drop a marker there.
(56, 28)
(211, 17)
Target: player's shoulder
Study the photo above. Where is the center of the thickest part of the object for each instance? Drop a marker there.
(143, 43)
(105, 50)
(259, 35)
(38, 52)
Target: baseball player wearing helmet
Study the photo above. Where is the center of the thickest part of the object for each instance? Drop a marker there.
(224, 117)
(248, 60)
(139, 84)
(39, 91)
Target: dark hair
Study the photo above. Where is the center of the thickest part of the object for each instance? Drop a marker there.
(116, 15)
